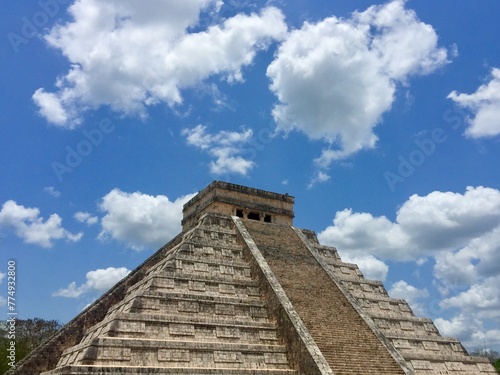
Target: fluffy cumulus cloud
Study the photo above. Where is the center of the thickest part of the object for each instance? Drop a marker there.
(99, 281)
(224, 146)
(424, 225)
(334, 79)
(85, 217)
(52, 191)
(461, 232)
(28, 225)
(109, 44)
(141, 220)
(485, 107)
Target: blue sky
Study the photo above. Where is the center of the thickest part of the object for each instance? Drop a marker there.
(381, 118)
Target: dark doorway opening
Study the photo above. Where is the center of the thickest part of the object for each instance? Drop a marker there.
(254, 216)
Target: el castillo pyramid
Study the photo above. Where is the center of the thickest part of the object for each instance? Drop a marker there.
(242, 291)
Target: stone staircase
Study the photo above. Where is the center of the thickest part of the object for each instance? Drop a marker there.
(346, 342)
(416, 339)
(198, 311)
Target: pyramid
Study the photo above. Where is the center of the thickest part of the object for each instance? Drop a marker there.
(242, 291)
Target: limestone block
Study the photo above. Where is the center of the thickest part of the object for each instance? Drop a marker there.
(227, 332)
(117, 354)
(345, 270)
(454, 366)
(174, 355)
(188, 306)
(406, 326)
(165, 283)
(253, 291)
(258, 312)
(226, 289)
(226, 270)
(131, 326)
(181, 329)
(198, 286)
(421, 365)
(267, 335)
(227, 357)
(201, 267)
(208, 250)
(224, 309)
(276, 358)
(404, 307)
(384, 305)
(430, 345)
(402, 344)
(456, 347)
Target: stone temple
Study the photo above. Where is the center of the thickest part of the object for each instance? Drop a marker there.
(242, 291)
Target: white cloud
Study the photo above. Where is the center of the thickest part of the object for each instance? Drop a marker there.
(139, 219)
(51, 107)
(459, 326)
(99, 280)
(423, 226)
(225, 146)
(319, 177)
(109, 43)
(334, 79)
(33, 229)
(52, 191)
(85, 217)
(2, 275)
(483, 298)
(362, 234)
(469, 330)
(485, 106)
(411, 294)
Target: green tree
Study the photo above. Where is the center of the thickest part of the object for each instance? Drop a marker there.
(27, 335)
(497, 365)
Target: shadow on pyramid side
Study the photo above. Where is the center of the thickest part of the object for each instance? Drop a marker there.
(242, 291)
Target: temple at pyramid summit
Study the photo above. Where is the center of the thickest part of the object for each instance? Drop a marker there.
(242, 291)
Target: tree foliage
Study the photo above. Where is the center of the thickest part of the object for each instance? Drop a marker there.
(25, 336)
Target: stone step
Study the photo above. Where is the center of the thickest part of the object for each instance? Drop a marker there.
(345, 340)
(212, 285)
(172, 353)
(143, 370)
(328, 252)
(210, 328)
(361, 288)
(225, 269)
(206, 249)
(405, 326)
(389, 307)
(197, 304)
(215, 237)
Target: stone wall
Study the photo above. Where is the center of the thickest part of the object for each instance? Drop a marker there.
(232, 199)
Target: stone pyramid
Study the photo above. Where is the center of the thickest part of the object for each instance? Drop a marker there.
(242, 291)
